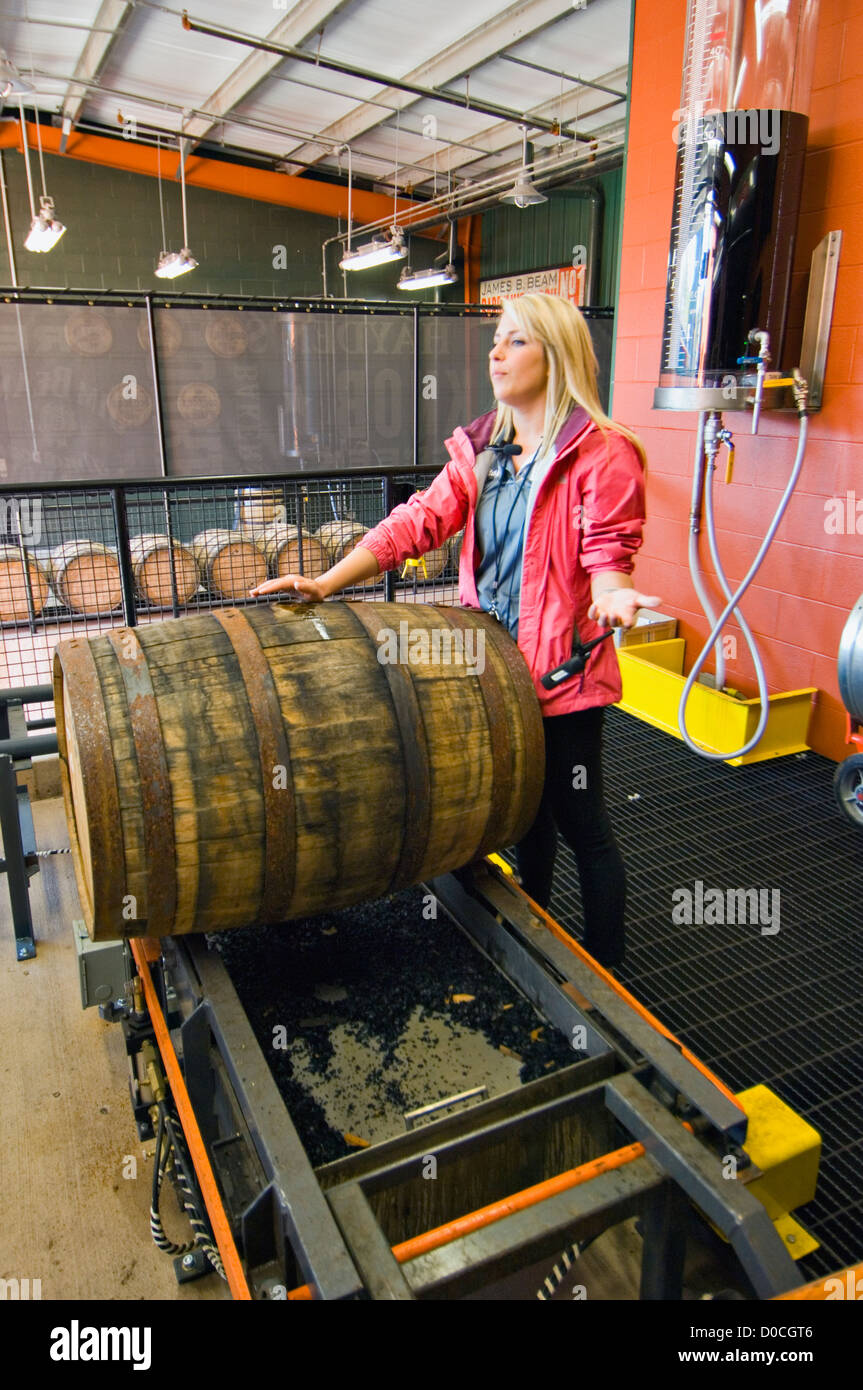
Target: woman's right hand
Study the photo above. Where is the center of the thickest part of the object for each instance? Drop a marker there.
(355, 568)
(297, 586)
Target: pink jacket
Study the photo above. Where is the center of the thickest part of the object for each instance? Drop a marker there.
(587, 518)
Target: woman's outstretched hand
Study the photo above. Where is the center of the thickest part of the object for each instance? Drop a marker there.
(618, 607)
(295, 585)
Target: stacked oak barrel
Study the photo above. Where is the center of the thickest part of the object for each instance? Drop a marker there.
(85, 574)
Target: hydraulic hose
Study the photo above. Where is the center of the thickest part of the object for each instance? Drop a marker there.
(169, 1150)
(160, 1165)
(694, 528)
(710, 522)
(735, 598)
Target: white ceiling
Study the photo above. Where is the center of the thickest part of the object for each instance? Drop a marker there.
(136, 61)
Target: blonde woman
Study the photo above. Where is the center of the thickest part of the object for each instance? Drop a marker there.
(550, 493)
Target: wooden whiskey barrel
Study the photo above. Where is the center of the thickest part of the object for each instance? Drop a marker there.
(151, 566)
(86, 576)
(281, 545)
(259, 507)
(17, 577)
(338, 539)
(254, 766)
(231, 563)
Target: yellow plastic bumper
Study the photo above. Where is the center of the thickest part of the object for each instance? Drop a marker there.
(787, 1150)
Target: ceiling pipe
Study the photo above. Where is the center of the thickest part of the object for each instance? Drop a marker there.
(303, 136)
(566, 76)
(464, 102)
(487, 195)
(241, 180)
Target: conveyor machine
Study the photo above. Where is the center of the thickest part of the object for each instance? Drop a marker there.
(484, 1189)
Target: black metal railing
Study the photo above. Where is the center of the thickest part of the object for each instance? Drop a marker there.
(80, 559)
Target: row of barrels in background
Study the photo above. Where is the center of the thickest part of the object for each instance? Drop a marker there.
(85, 575)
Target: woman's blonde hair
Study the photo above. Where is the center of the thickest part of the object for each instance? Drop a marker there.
(572, 366)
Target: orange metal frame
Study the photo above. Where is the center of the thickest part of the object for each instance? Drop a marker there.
(242, 181)
(143, 951)
(816, 1290)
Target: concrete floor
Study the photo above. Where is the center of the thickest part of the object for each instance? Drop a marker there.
(68, 1215)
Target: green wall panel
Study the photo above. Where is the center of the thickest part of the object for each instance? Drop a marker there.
(516, 239)
(114, 237)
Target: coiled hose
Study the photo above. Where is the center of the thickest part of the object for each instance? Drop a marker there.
(735, 598)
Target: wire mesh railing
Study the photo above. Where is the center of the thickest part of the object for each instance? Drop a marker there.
(78, 560)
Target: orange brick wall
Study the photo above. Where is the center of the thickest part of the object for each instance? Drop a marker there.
(800, 599)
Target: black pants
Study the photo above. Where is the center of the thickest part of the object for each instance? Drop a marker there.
(573, 802)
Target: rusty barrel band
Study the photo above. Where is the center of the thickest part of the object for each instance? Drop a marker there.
(280, 815)
(499, 734)
(415, 756)
(157, 805)
(99, 780)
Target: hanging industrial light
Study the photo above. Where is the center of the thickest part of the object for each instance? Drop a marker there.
(12, 84)
(385, 246)
(173, 263)
(427, 279)
(433, 275)
(524, 193)
(45, 231)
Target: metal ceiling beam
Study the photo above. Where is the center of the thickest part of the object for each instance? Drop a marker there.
(106, 26)
(567, 76)
(415, 89)
(244, 122)
(240, 180)
(305, 19)
(512, 26)
(497, 138)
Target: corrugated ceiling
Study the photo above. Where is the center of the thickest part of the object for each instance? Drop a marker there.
(98, 64)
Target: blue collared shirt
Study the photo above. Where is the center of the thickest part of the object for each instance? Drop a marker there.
(501, 514)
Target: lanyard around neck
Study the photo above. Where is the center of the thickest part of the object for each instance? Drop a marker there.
(498, 548)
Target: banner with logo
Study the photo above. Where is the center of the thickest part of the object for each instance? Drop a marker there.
(567, 282)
